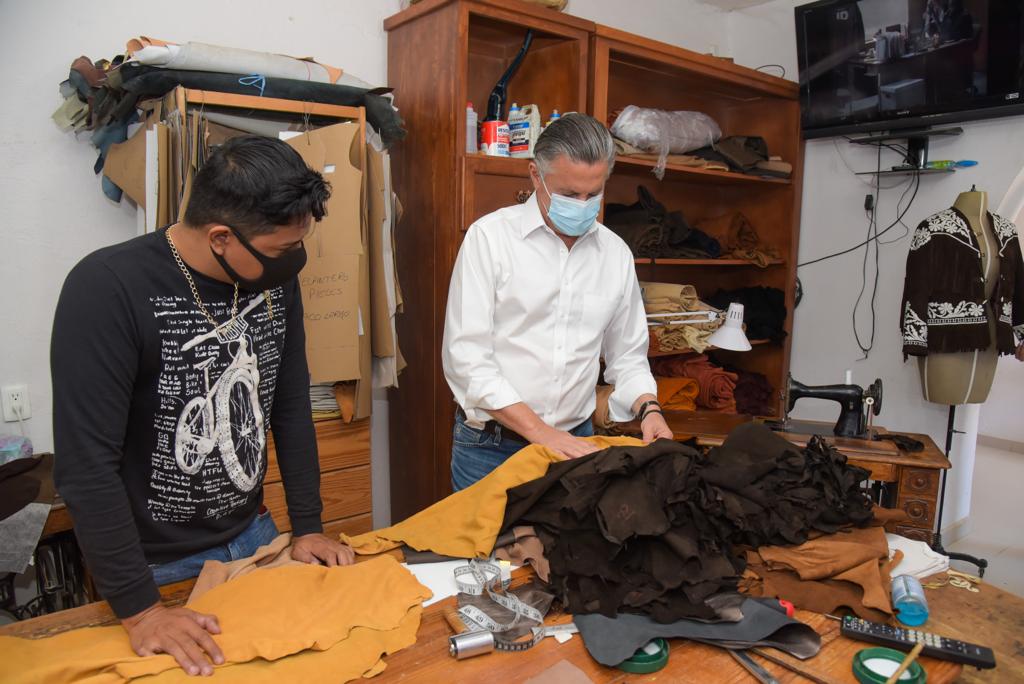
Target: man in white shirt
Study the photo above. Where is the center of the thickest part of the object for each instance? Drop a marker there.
(540, 293)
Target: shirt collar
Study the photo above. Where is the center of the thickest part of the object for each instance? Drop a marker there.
(531, 219)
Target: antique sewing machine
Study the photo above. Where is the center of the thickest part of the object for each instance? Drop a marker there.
(855, 403)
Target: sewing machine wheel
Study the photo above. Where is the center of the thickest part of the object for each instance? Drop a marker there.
(875, 392)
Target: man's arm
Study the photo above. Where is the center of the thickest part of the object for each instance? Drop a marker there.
(625, 347)
(295, 441)
(94, 359)
(468, 352)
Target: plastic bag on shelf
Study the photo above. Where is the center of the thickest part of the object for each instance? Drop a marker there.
(656, 130)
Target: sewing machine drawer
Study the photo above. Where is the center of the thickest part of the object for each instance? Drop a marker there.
(880, 472)
(921, 511)
(921, 481)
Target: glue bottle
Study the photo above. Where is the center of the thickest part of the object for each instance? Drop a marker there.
(524, 127)
(908, 600)
(471, 132)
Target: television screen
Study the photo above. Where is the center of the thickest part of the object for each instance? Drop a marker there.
(868, 65)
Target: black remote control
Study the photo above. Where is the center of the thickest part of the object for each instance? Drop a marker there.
(902, 639)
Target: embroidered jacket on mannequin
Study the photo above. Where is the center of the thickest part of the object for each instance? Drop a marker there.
(944, 306)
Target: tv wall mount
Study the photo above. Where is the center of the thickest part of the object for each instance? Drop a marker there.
(915, 159)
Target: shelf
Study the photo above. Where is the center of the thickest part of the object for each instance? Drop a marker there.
(693, 174)
(657, 353)
(658, 261)
(905, 172)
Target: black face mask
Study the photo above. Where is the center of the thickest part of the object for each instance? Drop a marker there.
(276, 270)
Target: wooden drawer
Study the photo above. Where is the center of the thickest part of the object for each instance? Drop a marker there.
(880, 472)
(345, 493)
(491, 183)
(919, 482)
(921, 512)
(918, 533)
(340, 445)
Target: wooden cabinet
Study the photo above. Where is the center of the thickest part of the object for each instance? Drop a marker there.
(626, 70)
(443, 53)
(344, 479)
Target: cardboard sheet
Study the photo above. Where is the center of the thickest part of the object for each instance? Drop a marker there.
(333, 292)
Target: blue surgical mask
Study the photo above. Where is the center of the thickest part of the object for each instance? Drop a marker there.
(571, 216)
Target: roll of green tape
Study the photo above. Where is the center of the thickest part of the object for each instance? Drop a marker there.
(875, 665)
(646, 663)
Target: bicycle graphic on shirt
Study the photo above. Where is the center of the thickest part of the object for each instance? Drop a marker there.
(229, 415)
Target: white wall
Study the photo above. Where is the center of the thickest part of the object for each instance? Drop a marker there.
(832, 218)
(687, 23)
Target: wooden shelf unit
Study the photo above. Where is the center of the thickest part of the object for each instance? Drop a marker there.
(443, 53)
(626, 69)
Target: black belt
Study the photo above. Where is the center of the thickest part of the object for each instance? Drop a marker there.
(492, 427)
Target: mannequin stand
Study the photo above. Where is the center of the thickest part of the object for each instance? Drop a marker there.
(937, 536)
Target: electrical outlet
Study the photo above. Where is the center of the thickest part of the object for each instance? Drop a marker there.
(15, 397)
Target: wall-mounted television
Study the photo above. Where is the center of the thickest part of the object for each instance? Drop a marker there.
(872, 65)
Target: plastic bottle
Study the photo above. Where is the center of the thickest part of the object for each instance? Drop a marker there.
(524, 127)
(471, 132)
(908, 601)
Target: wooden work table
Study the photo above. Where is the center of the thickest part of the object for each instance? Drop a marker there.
(992, 617)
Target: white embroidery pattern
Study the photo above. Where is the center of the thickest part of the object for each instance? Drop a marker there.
(963, 313)
(946, 222)
(1018, 334)
(1006, 315)
(1005, 230)
(915, 331)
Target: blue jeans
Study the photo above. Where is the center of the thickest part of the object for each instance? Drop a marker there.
(260, 531)
(476, 453)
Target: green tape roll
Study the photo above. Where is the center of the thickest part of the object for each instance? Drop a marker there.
(875, 665)
(644, 663)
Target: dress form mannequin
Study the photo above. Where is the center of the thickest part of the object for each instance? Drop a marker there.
(966, 377)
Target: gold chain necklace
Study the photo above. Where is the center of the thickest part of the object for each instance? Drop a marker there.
(195, 290)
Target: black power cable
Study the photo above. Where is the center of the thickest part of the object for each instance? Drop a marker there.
(898, 221)
(872, 215)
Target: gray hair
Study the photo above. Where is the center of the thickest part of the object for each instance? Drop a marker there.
(580, 137)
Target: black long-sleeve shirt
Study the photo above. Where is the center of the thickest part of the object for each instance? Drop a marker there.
(160, 424)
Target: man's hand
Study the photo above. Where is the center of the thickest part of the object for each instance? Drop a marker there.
(654, 427)
(562, 442)
(179, 632)
(317, 548)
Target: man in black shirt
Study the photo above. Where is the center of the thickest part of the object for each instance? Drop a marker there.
(172, 354)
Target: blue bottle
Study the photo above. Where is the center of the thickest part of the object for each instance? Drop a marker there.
(908, 600)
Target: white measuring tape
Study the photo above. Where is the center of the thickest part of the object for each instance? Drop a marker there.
(476, 579)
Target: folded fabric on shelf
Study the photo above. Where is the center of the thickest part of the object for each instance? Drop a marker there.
(764, 310)
(677, 394)
(675, 334)
(741, 241)
(717, 385)
(754, 394)
(651, 230)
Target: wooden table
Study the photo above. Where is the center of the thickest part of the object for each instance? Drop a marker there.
(991, 617)
(913, 478)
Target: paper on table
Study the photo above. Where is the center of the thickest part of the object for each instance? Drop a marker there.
(438, 577)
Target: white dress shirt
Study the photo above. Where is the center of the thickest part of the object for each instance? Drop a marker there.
(528, 320)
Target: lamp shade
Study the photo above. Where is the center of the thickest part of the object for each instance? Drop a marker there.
(731, 336)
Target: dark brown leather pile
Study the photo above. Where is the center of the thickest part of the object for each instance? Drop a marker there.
(655, 529)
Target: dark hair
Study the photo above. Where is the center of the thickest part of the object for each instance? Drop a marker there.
(255, 184)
